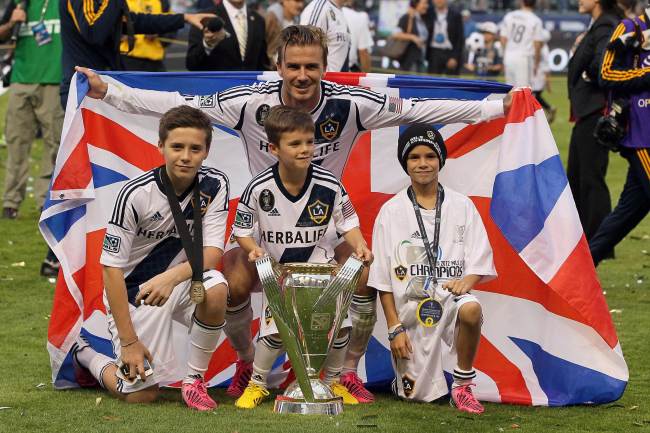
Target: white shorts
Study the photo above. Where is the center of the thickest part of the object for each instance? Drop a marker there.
(421, 378)
(267, 324)
(518, 70)
(154, 328)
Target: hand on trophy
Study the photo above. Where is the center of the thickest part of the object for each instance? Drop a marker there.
(256, 253)
(156, 291)
(364, 254)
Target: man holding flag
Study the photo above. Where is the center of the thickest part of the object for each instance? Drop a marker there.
(341, 114)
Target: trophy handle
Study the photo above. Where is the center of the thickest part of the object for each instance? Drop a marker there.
(344, 281)
(269, 272)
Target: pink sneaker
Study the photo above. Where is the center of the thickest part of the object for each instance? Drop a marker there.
(240, 379)
(463, 399)
(354, 384)
(195, 395)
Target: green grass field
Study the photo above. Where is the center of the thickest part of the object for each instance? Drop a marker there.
(28, 403)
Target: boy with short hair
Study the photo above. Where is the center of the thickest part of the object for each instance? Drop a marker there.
(147, 272)
(422, 228)
(285, 212)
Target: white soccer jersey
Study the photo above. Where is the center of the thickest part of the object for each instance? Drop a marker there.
(292, 228)
(326, 15)
(360, 36)
(141, 237)
(400, 265)
(342, 113)
(521, 28)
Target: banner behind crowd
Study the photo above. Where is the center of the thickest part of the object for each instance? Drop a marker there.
(547, 338)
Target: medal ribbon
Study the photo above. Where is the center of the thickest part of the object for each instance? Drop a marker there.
(193, 247)
(431, 249)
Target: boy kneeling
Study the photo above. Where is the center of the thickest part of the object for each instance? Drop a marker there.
(422, 228)
(285, 212)
(147, 273)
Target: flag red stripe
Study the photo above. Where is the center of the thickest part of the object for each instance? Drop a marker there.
(508, 378)
(65, 313)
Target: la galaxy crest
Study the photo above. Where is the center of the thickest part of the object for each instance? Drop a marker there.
(329, 128)
(408, 384)
(318, 211)
(204, 200)
(400, 272)
(267, 200)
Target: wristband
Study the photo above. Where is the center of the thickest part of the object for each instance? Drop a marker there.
(396, 332)
(129, 343)
(394, 327)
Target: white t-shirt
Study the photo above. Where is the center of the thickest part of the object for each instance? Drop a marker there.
(329, 17)
(360, 36)
(141, 237)
(341, 115)
(400, 265)
(292, 228)
(521, 28)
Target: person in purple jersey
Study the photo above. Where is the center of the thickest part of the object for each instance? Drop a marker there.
(340, 114)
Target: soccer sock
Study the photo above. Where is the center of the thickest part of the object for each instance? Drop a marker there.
(363, 314)
(265, 355)
(94, 361)
(238, 330)
(463, 377)
(334, 363)
(203, 343)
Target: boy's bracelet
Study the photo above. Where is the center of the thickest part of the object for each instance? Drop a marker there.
(394, 331)
(129, 343)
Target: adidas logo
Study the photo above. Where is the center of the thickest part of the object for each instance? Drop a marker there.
(274, 212)
(416, 235)
(257, 377)
(156, 217)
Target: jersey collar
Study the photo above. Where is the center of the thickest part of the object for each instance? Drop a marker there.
(283, 190)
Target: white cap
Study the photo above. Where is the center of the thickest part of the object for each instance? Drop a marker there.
(488, 27)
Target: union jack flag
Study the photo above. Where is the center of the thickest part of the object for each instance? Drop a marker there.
(547, 339)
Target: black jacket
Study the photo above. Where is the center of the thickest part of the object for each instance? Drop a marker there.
(225, 56)
(454, 31)
(91, 32)
(585, 94)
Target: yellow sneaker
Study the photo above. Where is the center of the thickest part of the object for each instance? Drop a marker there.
(252, 396)
(341, 391)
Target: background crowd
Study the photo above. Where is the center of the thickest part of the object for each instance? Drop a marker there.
(431, 36)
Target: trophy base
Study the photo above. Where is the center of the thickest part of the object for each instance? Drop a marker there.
(292, 401)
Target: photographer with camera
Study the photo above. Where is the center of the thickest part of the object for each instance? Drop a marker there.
(625, 70)
(235, 40)
(587, 163)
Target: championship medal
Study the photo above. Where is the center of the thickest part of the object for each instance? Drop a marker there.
(197, 292)
(429, 312)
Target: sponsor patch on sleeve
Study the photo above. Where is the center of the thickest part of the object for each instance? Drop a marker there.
(112, 244)
(207, 101)
(243, 219)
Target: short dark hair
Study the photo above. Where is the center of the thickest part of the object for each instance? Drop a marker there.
(185, 116)
(298, 35)
(529, 3)
(282, 119)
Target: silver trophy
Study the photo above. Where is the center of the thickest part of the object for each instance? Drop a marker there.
(309, 302)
